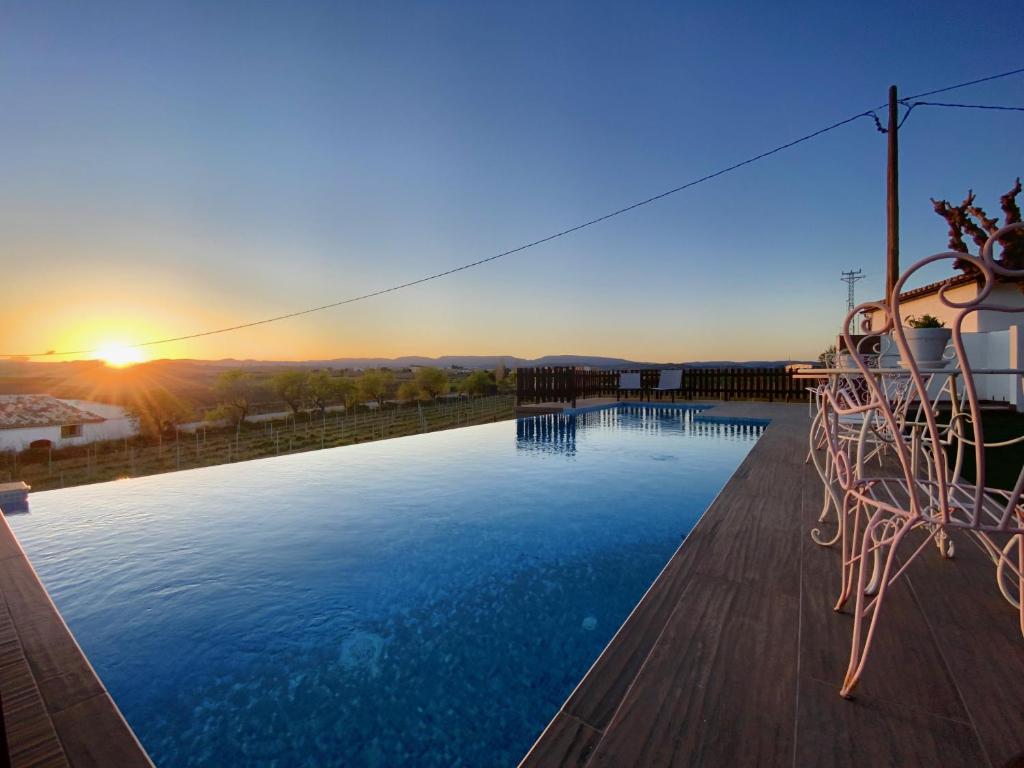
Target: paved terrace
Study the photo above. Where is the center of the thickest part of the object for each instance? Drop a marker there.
(734, 656)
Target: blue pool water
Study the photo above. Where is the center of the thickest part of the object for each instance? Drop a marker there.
(424, 601)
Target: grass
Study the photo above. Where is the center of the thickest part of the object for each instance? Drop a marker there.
(135, 457)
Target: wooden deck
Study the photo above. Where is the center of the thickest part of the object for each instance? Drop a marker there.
(735, 656)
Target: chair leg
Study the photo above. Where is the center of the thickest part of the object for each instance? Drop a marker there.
(848, 548)
(1020, 579)
(830, 500)
(864, 626)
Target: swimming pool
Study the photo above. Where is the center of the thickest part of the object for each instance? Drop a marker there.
(424, 601)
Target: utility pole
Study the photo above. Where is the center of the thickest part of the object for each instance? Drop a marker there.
(850, 278)
(892, 200)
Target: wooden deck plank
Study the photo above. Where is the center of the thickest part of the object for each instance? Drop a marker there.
(568, 743)
(726, 663)
(836, 733)
(980, 640)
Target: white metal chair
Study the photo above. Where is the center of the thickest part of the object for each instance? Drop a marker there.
(669, 381)
(628, 382)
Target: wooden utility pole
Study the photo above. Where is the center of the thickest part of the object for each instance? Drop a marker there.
(892, 199)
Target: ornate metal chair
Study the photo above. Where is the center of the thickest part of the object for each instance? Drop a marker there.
(924, 496)
(860, 431)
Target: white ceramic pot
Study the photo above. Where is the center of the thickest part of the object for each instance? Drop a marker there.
(927, 345)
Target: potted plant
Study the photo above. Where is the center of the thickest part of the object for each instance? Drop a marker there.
(927, 337)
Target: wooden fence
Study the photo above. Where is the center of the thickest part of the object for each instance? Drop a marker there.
(565, 384)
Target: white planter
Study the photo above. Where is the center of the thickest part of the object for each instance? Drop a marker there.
(927, 345)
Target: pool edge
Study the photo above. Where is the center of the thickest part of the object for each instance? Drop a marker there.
(55, 709)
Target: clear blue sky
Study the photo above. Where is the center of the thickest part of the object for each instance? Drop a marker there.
(169, 167)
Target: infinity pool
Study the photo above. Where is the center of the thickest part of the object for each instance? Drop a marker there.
(424, 601)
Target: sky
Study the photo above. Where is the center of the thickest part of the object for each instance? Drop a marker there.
(174, 167)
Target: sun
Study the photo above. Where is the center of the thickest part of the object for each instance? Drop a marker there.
(120, 355)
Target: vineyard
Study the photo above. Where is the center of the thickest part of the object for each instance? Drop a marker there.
(59, 468)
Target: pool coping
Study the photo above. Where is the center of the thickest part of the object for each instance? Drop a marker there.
(56, 710)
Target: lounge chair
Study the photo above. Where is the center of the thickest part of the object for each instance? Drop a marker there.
(629, 382)
(669, 381)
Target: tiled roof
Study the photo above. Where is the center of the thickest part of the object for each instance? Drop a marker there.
(931, 288)
(20, 411)
(952, 282)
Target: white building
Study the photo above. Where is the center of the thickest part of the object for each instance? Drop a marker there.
(992, 339)
(925, 301)
(25, 419)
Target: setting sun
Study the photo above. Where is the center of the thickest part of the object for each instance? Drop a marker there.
(120, 356)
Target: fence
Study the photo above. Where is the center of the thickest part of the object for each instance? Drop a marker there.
(564, 384)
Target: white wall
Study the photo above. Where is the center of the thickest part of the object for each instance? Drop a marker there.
(117, 424)
(19, 439)
(992, 349)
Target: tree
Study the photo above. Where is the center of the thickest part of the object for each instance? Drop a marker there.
(323, 389)
(408, 390)
(827, 358)
(431, 382)
(971, 220)
(158, 411)
(507, 383)
(292, 387)
(236, 390)
(478, 383)
(375, 385)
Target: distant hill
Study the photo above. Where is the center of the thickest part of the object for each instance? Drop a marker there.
(187, 369)
(481, 361)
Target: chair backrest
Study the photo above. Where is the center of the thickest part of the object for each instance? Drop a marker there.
(672, 379)
(629, 381)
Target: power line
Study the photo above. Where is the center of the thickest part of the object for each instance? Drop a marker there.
(533, 244)
(964, 106)
(961, 85)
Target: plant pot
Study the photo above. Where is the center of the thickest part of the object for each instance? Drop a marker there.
(927, 345)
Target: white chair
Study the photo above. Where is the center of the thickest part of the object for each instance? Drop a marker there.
(628, 382)
(669, 381)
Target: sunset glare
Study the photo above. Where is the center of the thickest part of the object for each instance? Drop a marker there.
(119, 356)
